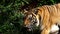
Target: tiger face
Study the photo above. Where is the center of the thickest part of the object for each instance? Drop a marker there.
(31, 21)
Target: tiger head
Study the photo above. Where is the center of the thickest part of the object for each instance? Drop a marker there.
(31, 20)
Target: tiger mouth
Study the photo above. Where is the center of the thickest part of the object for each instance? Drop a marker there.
(30, 29)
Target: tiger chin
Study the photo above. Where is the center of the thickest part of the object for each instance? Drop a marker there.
(47, 17)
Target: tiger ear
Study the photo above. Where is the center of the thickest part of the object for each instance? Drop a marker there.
(25, 11)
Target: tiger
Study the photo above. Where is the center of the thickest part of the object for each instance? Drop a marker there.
(46, 17)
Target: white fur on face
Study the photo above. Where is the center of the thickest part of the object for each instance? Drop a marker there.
(54, 28)
(29, 16)
(37, 20)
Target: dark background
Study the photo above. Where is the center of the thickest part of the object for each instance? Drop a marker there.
(11, 18)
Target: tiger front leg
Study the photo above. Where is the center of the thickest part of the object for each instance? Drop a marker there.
(46, 30)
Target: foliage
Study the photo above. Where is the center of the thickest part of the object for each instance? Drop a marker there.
(11, 18)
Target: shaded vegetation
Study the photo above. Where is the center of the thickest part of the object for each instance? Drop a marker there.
(11, 18)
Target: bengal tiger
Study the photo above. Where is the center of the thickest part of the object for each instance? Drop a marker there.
(46, 17)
